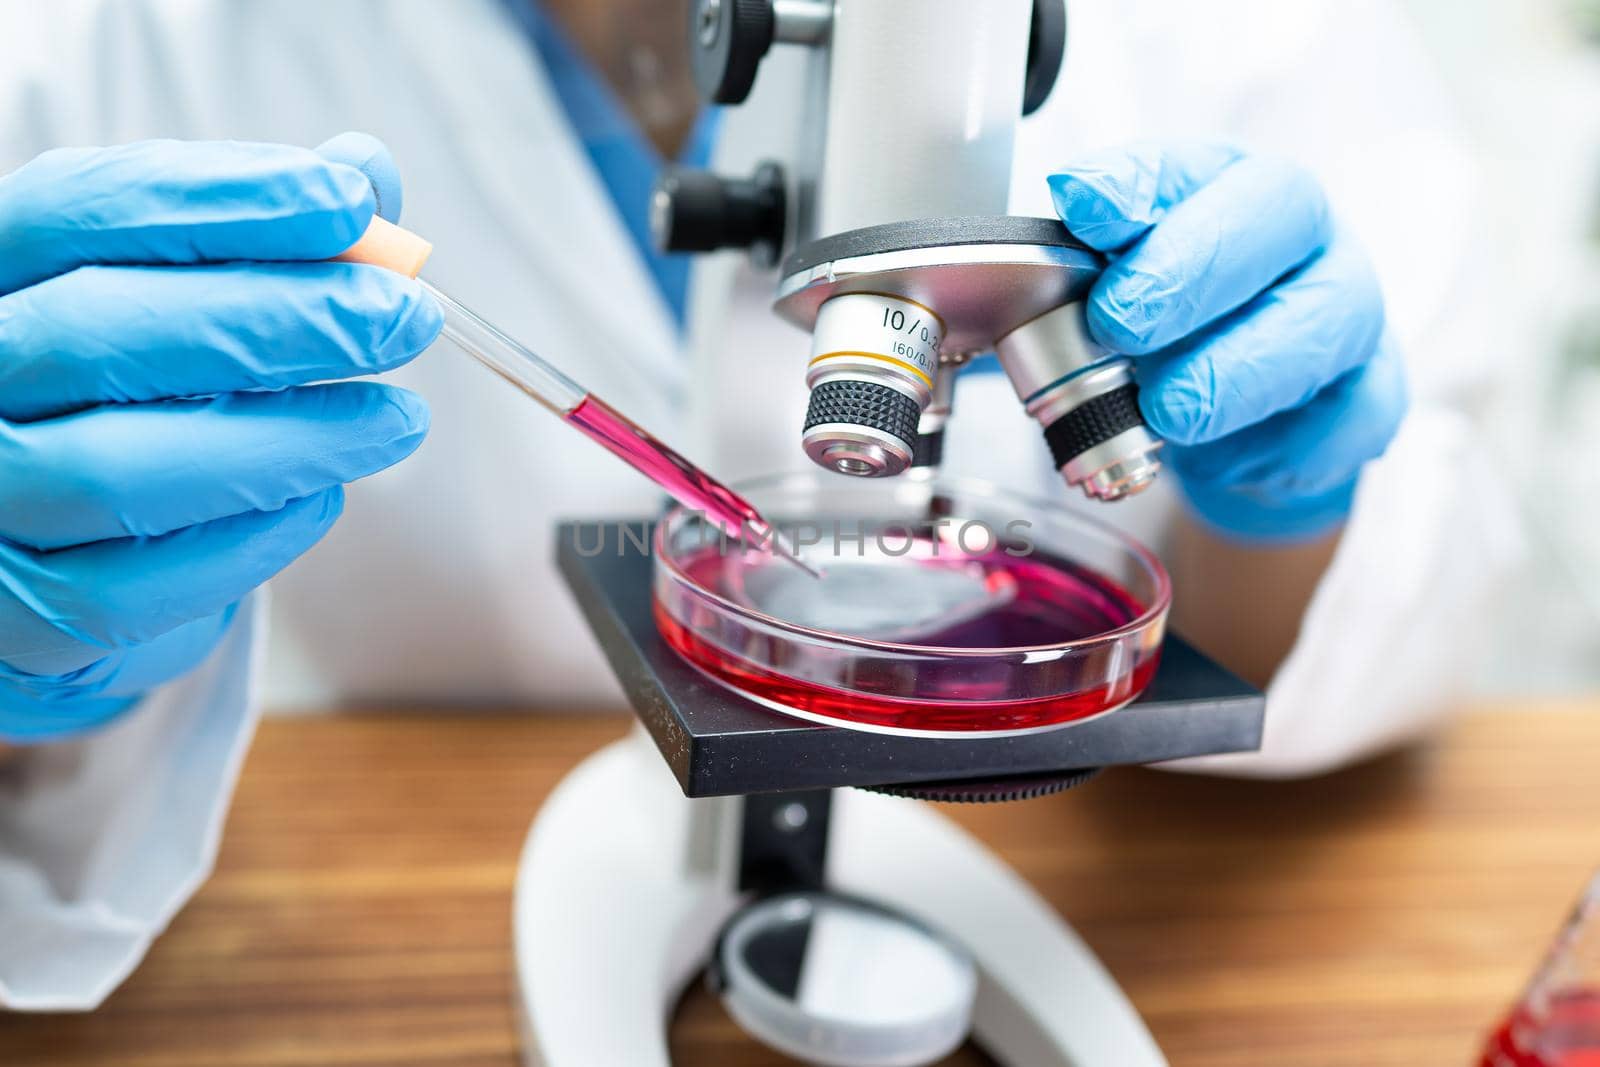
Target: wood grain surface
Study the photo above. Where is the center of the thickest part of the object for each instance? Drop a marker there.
(360, 913)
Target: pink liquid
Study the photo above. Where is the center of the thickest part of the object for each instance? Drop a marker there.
(683, 481)
(1567, 1034)
(1040, 600)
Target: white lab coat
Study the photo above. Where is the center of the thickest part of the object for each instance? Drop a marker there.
(436, 586)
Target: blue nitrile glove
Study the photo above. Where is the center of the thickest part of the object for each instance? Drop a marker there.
(132, 520)
(1258, 326)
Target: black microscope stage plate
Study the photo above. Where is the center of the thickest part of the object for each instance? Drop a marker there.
(718, 743)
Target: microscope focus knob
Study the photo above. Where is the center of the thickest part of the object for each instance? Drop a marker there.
(1047, 45)
(697, 211)
(728, 39)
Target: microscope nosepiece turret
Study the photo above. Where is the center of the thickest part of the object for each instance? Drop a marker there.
(898, 121)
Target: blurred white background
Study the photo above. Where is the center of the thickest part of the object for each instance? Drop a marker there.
(1526, 74)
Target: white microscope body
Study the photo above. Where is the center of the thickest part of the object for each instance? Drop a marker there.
(624, 885)
(879, 111)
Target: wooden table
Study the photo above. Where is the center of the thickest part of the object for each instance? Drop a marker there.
(360, 912)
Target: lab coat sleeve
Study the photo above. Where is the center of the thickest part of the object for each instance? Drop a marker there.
(1389, 642)
(103, 839)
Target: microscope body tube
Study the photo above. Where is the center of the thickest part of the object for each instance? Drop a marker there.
(923, 100)
(924, 97)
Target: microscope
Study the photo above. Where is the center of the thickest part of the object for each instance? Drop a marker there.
(901, 261)
(842, 920)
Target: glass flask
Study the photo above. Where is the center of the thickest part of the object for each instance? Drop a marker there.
(1557, 1021)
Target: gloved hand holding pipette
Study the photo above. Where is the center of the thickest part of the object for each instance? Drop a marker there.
(131, 520)
(387, 245)
(161, 453)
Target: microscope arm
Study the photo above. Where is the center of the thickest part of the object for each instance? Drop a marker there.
(617, 907)
(609, 925)
(1044, 1000)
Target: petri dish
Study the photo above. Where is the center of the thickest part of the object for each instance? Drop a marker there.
(946, 607)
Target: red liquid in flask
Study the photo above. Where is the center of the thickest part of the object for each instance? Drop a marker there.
(1566, 1034)
(979, 685)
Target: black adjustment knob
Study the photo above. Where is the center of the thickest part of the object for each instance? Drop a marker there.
(1047, 44)
(697, 211)
(990, 790)
(727, 39)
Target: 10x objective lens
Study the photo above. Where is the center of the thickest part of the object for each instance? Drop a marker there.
(875, 359)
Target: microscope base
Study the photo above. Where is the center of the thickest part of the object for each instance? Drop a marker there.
(621, 892)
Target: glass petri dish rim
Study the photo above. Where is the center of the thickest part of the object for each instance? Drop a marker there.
(1153, 613)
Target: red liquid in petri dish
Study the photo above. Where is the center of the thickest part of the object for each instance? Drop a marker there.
(1567, 1034)
(1037, 600)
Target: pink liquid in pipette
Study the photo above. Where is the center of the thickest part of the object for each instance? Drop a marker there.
(684, 481)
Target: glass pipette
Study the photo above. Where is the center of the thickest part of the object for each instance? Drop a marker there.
(602, 423)
(387, 245)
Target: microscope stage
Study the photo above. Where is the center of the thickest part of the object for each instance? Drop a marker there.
(718, 743)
